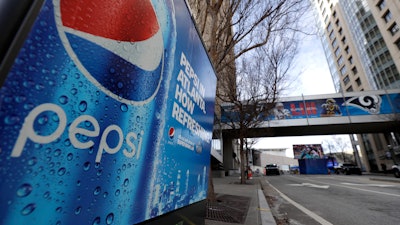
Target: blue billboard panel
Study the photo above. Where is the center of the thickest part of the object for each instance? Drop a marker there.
(351, 105)
(106, 115)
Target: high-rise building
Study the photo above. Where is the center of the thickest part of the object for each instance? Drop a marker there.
(361, 40)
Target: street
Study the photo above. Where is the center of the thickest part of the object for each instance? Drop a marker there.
(333, 199)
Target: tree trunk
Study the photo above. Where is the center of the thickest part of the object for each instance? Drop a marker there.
(243, 174)
(210, 192)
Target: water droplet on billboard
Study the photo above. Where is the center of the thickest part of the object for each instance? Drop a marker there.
(124, 107)
(67, 142)
(117, 192)
(70, 156)
(126, 182)
(61, 171)
(57, 152)
(110, 218)
(32, 161)
(24, 190)
(82, 106)
(86, 166)
(78, 210)
(96, 221)
(74, 91)
(28, 209)
(97, 190)
(28, 106)
(120, 85)
(11, 119)
(63, 99)
(46, 195)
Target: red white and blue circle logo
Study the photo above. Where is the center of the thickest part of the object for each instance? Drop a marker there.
(117, 45)
(171, 132)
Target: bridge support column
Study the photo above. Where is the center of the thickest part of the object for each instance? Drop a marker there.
(230, 156)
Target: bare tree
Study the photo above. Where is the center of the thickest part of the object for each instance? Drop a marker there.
(338, 144)
(260, 78)
(252, 45)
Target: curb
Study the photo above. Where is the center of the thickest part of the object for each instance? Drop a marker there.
(265, 211)
(385, 179)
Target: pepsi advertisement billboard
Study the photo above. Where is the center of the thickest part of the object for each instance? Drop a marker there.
(106, 115)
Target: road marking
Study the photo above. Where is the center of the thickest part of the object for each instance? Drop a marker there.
(302, 208)
(264, 209)
(369, 185)
(310, 185)
(355, 188)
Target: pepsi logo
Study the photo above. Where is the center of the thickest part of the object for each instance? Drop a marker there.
(171, 132)
(117, 45)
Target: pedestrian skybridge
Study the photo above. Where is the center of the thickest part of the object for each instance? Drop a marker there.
(341, 113)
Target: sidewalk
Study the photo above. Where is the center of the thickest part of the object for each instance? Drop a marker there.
(239, 203)
(389, 177)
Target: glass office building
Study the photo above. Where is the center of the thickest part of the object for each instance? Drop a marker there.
(361, 39)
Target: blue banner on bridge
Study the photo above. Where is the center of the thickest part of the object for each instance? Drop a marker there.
(330, 106)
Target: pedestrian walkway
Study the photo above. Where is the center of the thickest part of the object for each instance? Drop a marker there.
(239, 203)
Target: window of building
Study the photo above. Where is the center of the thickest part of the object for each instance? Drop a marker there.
(340, 31)
(344, 40)
(367, 21)
(337, 22)
(329, 27)
(358, 81)
(334, 14)
(323, 12)
(346, 80)
(337, 52)
(397, 43)
(334, 43)
(343, 70)
(340, 61)
(382, 58)
(354, 70)
(394, 28)
(387, 16)
(347, 50)
(350, 89)
(331, 35)
(381, 4)
(360, 14)
(351, 61)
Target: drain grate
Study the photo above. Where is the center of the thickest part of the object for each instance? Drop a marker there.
(228, 208)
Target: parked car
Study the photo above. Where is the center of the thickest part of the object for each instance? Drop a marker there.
(349, 168)
(272, 169)
(396, 170)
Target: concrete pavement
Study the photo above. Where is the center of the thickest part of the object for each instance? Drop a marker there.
(228, 190)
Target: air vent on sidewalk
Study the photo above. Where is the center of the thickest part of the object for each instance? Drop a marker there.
(228, 208)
